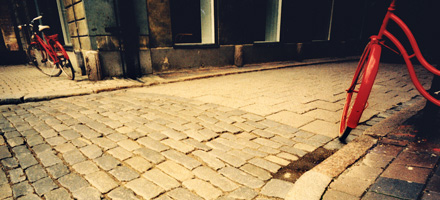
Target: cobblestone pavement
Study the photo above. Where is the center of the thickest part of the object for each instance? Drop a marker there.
(403, 165)
(213, 138)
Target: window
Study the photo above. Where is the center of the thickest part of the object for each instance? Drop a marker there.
(322, 20)
(268, 20)
(193, 21)
(63, 22)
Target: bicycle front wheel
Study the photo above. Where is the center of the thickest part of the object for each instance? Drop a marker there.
(40, 58)
(359, 90)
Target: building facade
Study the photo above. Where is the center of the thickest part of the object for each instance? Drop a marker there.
(131, 38)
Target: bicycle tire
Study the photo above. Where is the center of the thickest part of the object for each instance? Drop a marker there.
(65, 64)
(360, 90)
(67, 69)
(40, 58)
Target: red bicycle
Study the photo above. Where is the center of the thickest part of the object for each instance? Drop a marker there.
(47, 55)
(360, 88)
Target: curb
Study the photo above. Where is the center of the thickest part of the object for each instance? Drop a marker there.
(313, 184)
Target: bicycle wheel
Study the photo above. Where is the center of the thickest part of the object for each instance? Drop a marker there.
(359, 90)
(67, 68)
(39, 57)
(65, 64)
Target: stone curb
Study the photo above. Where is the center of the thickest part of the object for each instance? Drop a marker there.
(24, 98)
(312, 184)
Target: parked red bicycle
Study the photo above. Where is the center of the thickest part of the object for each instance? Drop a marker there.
(48, 55)
(360, 88)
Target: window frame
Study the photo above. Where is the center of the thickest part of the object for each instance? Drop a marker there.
(278, 27)
(63, 21)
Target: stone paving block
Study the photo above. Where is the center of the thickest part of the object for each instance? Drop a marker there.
(229, 127)
(34, 140)
(44, 185)
(228, 158)
(107, 162)
(375, 196)
(210, 132)
(81, 142)
(161, 179)
(397, 188)
(73, 182)
(35, 173)
(322, 127)
(10, 163)
(241, 177)
(182, 194)
(102, 181)
(5, 191)
(178, 145)
(15, 175)
(85, 167)
(150, 155)
(265, 164)
(377, 160)
(104, 143)
(218, 146)
(69, 134)
(243, 193)
(350, 185)
(202, 188)
(73, 157)
(173, 134)
(54, 141)
(21, 189)
(120, 153)
(116, 137)
(144, 188)
(243, 126)
(291, 118)
(434, 184)
(30, 197)
(228, 142)
(364, 172)
(406, 173)
(256, 171)
(269, 150)
(48, 158)
(209, 159)
(27, 161)
(196, 144)
(241, 154)
(277, 160)
(123, 173)
(63, 148)
(175, 170)
(276, 188)
(129, 145)
(293, 151)
(12, 142)
(335, 195)
(416, 159)
(58, 170)
(139, 164)
(87, 193)
(182, 159)
(122, 193)
(91, 151)
(86, 132)
(57, 194)
(263, 133)
(152, 144)
(254, 152)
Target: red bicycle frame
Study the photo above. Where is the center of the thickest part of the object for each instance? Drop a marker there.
(47, 47)
(384, 32)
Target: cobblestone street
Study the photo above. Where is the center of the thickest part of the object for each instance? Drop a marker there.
(216, 138)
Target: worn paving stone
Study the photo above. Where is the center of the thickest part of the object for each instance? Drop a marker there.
(152, 144)
(243, 193)
(27, 161)
(397, 188)
(91, 151)
(182, 193)
(30, 197)
(85, 167)
(350, 185)
(144, 188)
(265, 164)
(48, 158)
(175, 170)
(182, 159)
(4, 152)
(372, 196)
(256, 171)
(122, 193)
(123, 173)
(241, 177)
(407, 173)
(15, 175)
(87, 193)
(107, 162)
(161, 179)
(102, 181)
(202, 188)
(209, 159)
(120, 153)
(150, 155)
(21, 189)
(73, 182)
(215, 178)
(276, 188)
(5, 191)
(57, 194)
(335, 195)
(58, 170)
(35, 173)
(228, 158)
(44, 185)
(139, 164)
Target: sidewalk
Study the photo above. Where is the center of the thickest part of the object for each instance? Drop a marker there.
(203, 135)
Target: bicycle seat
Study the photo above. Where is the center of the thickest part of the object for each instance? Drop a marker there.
(42, 27)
